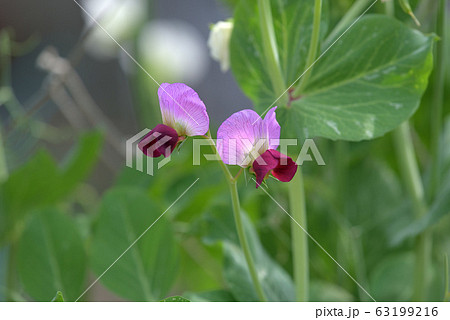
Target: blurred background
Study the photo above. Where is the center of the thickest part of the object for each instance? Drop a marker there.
(168, 38)
(65, 85)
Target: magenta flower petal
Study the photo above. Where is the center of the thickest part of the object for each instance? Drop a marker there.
(279, 165)
(182, 109)
(237, 135)
(244, 133)
(162, 140)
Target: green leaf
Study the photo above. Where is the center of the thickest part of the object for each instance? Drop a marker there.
(276, 282)
(292, 23)
(40, 182)
(368, 83)
(175, 299)
(58, 297)
(147, 270)
(51, 256)
(81, 160)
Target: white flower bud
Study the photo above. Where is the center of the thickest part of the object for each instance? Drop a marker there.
(173, 51)
(121, 18)
(219, 43)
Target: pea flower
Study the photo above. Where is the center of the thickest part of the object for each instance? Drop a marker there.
(245, 139)
(183, 115)
(219, 43)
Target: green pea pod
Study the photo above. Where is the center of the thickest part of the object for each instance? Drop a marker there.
(407, 9)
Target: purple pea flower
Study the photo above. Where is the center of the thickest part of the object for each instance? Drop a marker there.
(245, 139)
(183, 115)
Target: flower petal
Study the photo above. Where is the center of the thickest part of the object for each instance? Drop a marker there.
(162, 140)
(271, 129)
(182, 109)
(263, 165)
(281, 166)
(286, 168)
(236, 136)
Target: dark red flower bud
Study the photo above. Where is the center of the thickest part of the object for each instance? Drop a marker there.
(162, 140)
(273, 162)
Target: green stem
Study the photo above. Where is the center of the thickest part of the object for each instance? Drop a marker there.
(413, 182)
(437, 101)
(355, 11)
(297, 201)
(3, 166)
(243, 240)
(313, 47)
(411, 176)
(232, 184)
(410, 168)
(299, 237)
(390, 8)
(270, 46)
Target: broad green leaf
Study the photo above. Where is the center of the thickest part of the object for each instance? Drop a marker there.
(368, 83)
(51, 257)
(293, 25)
(58, 297)
(276, 282)
(147, 270)
(175, 299)
(40, 182)
(29, 187)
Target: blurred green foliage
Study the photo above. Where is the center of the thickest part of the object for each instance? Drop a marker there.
(145, 272)
(357, 207)
(51, 256)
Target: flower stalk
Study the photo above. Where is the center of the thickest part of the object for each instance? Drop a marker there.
(413, 183)
(296, 186)
(243, 240)
(299, 237)
(437, 100)
(232, 185)
(3, 166)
